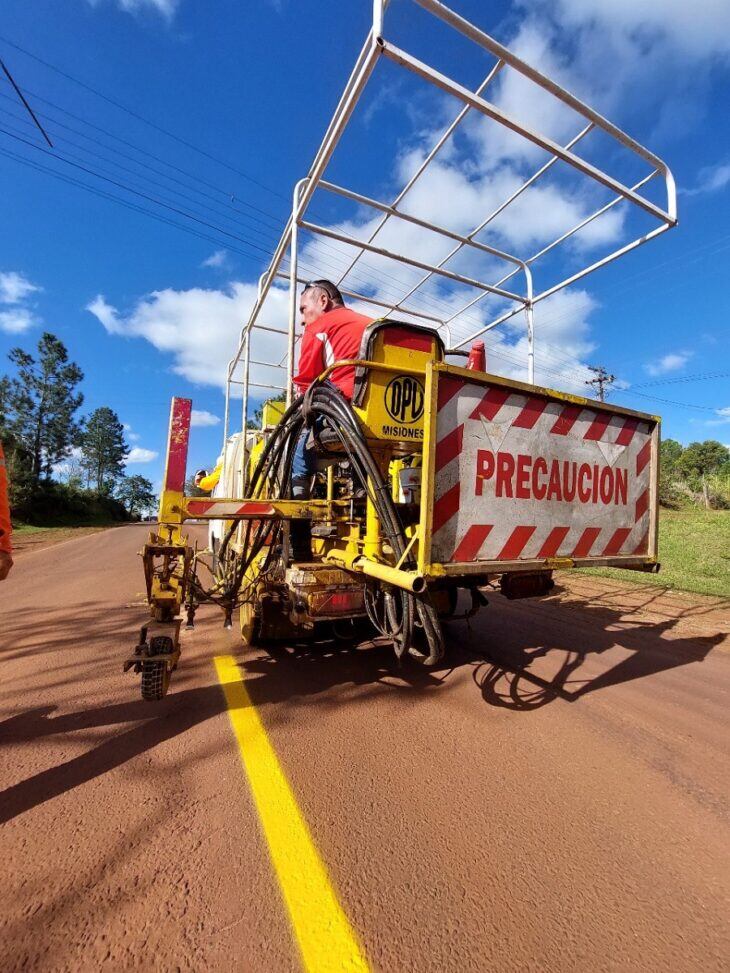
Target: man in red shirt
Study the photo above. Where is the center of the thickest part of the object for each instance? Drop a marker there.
(332, 332)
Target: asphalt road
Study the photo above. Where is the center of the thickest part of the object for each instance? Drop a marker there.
(554, 799)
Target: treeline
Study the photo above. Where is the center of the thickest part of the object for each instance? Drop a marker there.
(694, 475)
(63, 467)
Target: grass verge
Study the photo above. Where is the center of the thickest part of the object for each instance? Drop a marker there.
(694, 551)
(26, 537)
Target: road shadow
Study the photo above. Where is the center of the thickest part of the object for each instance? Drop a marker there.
(517, 672)
(295, 673)
(502, 647)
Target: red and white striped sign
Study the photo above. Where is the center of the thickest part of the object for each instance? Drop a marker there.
(522, 477)
(221, 509)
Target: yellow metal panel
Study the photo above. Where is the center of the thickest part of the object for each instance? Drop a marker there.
(394, 399)
(429, 463)
(271, 413)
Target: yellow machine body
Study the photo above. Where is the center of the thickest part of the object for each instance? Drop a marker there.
(396, 403)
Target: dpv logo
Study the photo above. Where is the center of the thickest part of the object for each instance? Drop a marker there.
(404, 398)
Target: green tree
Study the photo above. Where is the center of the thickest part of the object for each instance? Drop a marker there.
(701, 459)
(136, 493)
(670, 452)
(4, 403)
(103, 448)
(39, 402)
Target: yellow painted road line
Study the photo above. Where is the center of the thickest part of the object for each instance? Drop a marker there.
(326, 939)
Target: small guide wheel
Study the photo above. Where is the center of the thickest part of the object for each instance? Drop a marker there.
(155, 672)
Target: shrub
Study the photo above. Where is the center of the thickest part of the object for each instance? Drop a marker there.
(58, 504)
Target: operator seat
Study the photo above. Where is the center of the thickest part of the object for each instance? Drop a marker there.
(386, 341)
(392, 343)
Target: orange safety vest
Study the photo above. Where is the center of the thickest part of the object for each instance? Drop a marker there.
(4, 506)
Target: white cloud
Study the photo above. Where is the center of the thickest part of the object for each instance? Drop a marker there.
(166, 8)
(562, 343)
(138, 454)
(200, 417)
(200, 328)
(16, 320)
(535, 42)
(710, 180)
(698, 30)
(723, 417)
(132, 436)
(602, 51)
(217, 259)
(671, 362)
(15, 287)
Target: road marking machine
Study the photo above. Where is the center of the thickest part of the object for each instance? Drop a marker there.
(436, 478)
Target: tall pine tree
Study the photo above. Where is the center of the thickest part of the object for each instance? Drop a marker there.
(39, 404)
(103, 448)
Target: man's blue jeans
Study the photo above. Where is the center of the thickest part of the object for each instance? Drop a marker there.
(304, 464)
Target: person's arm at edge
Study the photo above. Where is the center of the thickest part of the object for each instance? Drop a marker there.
(210, 481)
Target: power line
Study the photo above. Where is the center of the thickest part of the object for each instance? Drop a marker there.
(104, 195)
(685, 378)
(655, 398)
(141, 118)
(434, 303)
(135, 174)
(123, 202)
(136, 192)
(156, 200)
(20, 95)
(230, 196)
(208, 155)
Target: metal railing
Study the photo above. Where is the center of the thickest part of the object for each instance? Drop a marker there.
(376, 46)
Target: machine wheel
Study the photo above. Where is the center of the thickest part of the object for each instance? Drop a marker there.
(155, 674)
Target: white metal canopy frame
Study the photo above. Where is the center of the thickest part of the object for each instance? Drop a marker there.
(521, 299)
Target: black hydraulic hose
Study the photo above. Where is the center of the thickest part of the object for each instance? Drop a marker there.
(324, 400)
(272, 477)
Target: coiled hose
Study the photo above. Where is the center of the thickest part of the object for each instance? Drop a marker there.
(395, 613)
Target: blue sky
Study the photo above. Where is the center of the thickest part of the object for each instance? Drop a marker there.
(238, 96)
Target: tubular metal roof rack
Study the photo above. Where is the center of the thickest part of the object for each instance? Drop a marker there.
(516, 269)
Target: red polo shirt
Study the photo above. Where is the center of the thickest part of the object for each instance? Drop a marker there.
(336, 336)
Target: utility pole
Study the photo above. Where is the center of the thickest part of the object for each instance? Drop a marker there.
(602, 380)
